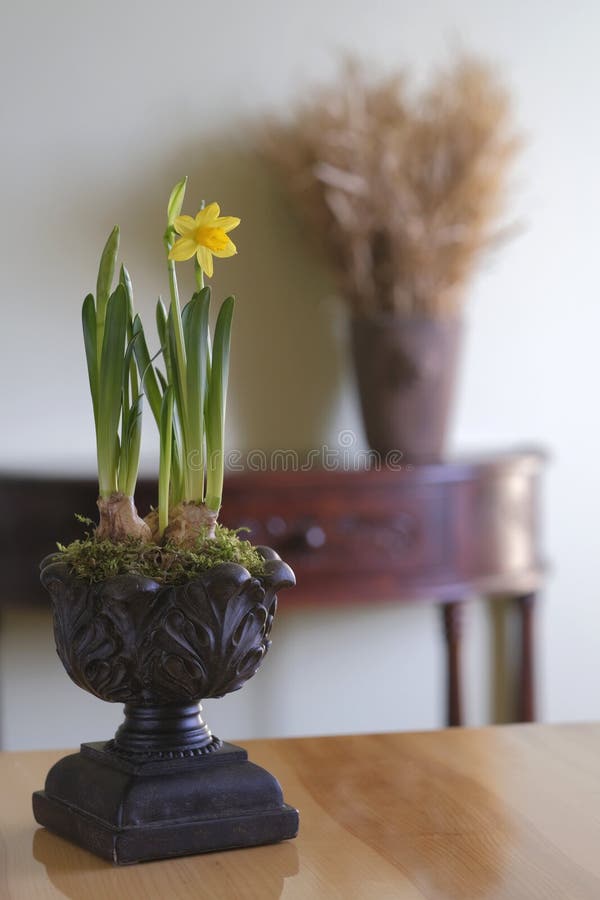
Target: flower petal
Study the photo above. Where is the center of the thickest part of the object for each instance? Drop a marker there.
(227, 223)
(205, 261)
(184, 248)
(184, 224)
(207, 215)
(228, 250)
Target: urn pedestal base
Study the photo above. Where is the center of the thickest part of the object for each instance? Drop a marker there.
(132, 810)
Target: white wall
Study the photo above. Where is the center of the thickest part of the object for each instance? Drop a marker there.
(106, 104)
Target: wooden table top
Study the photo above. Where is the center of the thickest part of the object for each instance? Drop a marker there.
(510, 812)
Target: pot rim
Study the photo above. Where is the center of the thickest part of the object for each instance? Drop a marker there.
(277, 575)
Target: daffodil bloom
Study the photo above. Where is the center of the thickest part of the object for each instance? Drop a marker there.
(204, 236)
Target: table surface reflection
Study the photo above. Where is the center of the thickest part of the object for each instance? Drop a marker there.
(506, 812)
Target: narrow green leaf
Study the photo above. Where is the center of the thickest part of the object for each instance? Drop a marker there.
(125, 280)
(146, 369)
(104, 282)
(129, 408)
(176, 349)
(177, 455)
(177, 462)
(162, 380)
(176, 200)
(125, 409)
(196, 333)
(122, 469)
(185, 318)
(112, 368)
(180, 415)
(133, 375)
(162, 326)
(177, 451)
(161, 321)
(133, 441)
(173, 373)
(216, 405)
(117, 458)
(164, 473)
(88, 319)
(176, 494)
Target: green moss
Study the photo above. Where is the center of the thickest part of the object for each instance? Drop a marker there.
(93, 560)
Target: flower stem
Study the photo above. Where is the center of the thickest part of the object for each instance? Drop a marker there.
(199, 274)
(180, 362)
(166, 444)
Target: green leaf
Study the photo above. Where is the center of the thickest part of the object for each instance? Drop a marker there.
(180, 414)
(146, 369)
(104, 282)
(175, 355)
(130, 381)
(185, 317)
(88, 319)
(164, 473)
(173, 372)
(161, 321)
(132, 441)
(196, 333)
(177, 485)
(216, 405)
(125, 408)
(125, 280)
(177, 462)
(176, 454)
(162, 380)
(133, 373)
(162, 326)
(112, 369)
(176, 200)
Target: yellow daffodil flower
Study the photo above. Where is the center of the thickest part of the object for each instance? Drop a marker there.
(204, 236)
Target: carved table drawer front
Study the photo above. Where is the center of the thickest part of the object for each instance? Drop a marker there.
(379, 530)
(429, 532)
(351, 537)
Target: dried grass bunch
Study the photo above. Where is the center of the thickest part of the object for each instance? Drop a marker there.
(404, 191)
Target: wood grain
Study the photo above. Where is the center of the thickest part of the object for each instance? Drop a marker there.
(510, 813)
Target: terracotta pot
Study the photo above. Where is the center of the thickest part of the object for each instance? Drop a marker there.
(406, 373)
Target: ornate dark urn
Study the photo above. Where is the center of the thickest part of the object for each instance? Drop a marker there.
(164, 785)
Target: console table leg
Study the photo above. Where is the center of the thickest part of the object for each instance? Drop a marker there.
(526, 704)
(453, 631)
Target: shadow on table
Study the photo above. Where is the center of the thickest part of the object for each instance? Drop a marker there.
(80, 875)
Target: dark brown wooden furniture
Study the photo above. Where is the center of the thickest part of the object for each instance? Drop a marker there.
(438, 533)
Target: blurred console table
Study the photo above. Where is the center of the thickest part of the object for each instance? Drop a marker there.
(438, 533)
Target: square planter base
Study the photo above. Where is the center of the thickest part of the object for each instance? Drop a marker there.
(130, 811)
